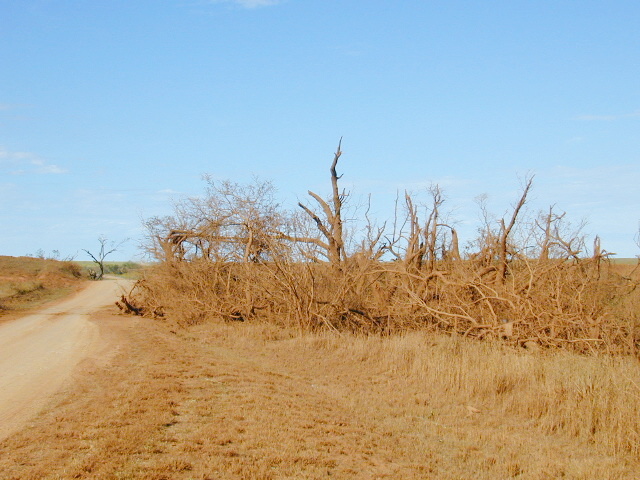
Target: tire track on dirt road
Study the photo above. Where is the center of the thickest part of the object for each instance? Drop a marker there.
(38, 352)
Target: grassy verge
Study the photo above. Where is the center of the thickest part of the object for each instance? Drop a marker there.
(27, 283)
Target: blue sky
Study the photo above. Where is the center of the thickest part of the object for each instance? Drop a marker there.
(109, 110)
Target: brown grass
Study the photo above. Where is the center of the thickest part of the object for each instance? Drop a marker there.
(27, 282)
(255, 401)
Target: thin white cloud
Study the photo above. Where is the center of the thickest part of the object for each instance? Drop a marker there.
(5, 107)
(607, 118)
(46, 168)
(11, 157)
(23, 163)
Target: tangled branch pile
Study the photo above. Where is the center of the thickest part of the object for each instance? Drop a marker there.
(236, 254)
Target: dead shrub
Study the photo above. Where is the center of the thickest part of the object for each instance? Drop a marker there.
(237, 255)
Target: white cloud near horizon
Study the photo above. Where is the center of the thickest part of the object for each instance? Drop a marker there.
(21, 163)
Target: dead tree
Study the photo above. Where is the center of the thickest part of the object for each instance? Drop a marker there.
(550, 226)
(331, 225)
(99, 258)
(431, 228)
(415, 250)
(505, 230)
(174, 243)
(370, 245)
(453, 252)
(422, 240)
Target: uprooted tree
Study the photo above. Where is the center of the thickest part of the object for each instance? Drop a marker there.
(237, 254)
(232, 223)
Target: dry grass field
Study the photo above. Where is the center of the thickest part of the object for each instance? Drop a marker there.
(26, 283)
(254, 401)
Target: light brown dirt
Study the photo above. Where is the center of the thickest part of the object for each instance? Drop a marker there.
(38, 352)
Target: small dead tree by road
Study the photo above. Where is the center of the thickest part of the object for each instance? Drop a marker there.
(106, 249)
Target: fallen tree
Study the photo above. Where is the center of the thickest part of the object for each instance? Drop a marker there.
(237, 254)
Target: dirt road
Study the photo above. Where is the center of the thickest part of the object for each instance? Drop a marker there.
(38, 352)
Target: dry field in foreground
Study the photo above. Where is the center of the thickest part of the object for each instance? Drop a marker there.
(241, 401)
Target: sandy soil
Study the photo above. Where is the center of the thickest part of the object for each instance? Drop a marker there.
(38, 352)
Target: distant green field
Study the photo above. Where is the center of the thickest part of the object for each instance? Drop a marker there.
(127, 269)
(624, 261)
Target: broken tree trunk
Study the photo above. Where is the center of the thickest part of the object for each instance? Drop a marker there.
(505, 230)
(331, 225)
